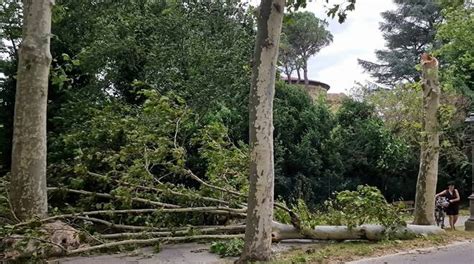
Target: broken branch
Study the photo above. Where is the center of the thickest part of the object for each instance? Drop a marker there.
(105, 195)
(151, 241)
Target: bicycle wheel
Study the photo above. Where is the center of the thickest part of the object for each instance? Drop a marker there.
(439, 218)
(442, 218)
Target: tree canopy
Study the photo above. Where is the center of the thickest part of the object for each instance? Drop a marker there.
(408, 31)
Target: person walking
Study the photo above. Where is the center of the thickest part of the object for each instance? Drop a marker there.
(452, 210)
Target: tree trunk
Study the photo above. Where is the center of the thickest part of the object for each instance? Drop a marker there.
(368, 232)
(258, 232)
(428, 172)
(305, 72)
(288, 74)
(28, 180)
(298, 69)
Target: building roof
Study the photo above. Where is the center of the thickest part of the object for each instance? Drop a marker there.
(311, 82)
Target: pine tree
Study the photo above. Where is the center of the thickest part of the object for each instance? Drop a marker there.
(409, 31)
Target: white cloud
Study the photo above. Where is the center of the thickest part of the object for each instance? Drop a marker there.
(357, 37)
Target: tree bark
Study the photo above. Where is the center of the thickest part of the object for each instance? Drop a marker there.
(428, 172)
(298, 69)
(258, 232)
(28, 171)
(305, 72)
(366, 232)
(288, 74)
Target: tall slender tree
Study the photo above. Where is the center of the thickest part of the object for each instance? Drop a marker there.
(258, 238)
(28, 179)
(287, 57)
(306, 35)
(258, 231)
(428, 172)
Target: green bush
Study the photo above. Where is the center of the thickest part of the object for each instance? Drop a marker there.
(365, 205)
(230, 248)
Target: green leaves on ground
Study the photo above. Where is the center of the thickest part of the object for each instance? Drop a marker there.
(365, 205)
(230, 248)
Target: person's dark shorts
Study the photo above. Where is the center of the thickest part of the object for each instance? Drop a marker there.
(452, 209)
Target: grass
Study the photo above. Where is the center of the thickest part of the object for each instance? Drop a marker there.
(464, 212)
(333, 253)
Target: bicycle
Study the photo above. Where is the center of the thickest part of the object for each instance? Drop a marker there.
(441, 203)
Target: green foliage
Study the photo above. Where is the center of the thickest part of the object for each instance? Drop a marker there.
(317, 152)
(365, 205)
(6, 216)
(148, 145)
(306, 33)
(362, 206)
(227, 163)
(303, 35)
(305, 164)
(456, 53)
(409, 31)
(10, 24)
(230, 248)
(399, 109)
(370, 153)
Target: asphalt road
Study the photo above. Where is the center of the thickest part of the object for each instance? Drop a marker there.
(192, 253)
(461, 253)
(199, 253)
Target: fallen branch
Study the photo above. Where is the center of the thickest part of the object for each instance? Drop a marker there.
(282, 231)
(7, 198)
(214, 230)
(129, 227)
(110, 224)
(105, 195)
(193, 196)
(195, 177)
(219, 210)
(214, 210)
(150, 242)
(45, 241)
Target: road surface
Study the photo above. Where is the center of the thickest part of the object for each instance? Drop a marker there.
(460, 253)
(199, 253)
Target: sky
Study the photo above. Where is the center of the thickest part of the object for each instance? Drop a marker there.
(357, 38)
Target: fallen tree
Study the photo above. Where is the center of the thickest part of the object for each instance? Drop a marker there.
(339, 233)
(64, 240)
(117, 227)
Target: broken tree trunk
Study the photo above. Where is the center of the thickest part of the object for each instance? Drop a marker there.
(368, 232)
(428, 172)
(61, 243)
(305, 73)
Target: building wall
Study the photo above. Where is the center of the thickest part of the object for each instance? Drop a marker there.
(315, 91)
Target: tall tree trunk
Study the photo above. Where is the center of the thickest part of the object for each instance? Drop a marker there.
(298, 69)
(428, 172)
(258, 231)
(288, 74)
(28, 180)
(305, 72)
